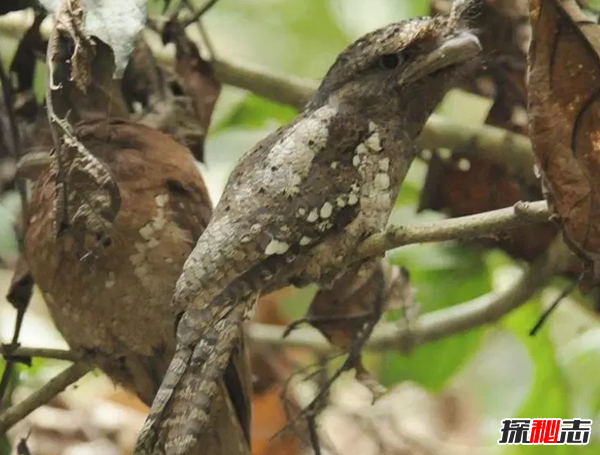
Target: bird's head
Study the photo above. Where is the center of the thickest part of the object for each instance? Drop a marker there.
(404, 68)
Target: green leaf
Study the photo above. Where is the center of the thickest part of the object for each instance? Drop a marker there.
(4, 446)
(549, 394)
(443, 276)
(255, 112)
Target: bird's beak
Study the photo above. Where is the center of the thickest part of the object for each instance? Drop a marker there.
(452, 51)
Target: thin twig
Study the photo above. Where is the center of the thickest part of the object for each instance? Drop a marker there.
(198, 14)
(9, 365)
(546, 314)
(44, 353)
(42, 396)
(439, 324)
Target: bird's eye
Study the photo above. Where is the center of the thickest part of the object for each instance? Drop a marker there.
(390, 61)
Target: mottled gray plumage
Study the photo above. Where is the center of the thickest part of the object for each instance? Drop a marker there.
(299, 203)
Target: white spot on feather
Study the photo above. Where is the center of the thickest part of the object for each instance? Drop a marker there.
(276, 247)
(382, 181)
(373, 142)
(141, 271)
(312, 216)
(361, 148)
(108, 284)
(356, 160)
(352, 199)
(384, 164)
(305, 240)
(326, 210)
(146, 231)
(159, 223)
(161, 200)
(137, 259)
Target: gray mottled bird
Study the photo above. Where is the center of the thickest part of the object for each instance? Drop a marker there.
(299, 203)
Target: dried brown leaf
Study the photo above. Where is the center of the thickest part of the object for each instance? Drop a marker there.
(31, 49)
(21, 285)
(143, 82)
(358, 298)
(564, 113)
(199, 86)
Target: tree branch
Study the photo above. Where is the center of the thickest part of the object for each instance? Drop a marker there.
(512, 151)
(42, 396)
(439, 324)
(45, 353)
(461, 228)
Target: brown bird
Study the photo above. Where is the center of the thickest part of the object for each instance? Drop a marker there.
(113, 302)
(298, 204)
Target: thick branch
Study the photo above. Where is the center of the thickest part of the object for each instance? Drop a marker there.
(42, 396)
(461, 228)
(45, 353)
(439, 324)
(512, 151)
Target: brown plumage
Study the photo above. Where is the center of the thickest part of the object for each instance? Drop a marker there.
(113, 301)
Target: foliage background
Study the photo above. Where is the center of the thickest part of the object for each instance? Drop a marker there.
(499, 369)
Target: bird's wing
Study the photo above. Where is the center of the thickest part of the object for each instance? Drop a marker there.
(286, 196)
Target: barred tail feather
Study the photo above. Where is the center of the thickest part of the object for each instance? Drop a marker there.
(201, 382)
(149, 434)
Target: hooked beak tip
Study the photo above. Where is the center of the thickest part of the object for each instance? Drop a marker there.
(462, 46)
(453, 51)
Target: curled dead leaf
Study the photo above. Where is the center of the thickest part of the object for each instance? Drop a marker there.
(357, 298)
(564, 114)
(21, 285)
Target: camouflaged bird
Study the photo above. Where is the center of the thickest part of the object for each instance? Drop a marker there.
(113, 306)
(299, 203)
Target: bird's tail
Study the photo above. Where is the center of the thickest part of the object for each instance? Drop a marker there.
(150, 431)
(181, 412)
(201, 383)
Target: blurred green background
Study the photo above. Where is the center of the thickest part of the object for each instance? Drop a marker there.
(500, 369)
